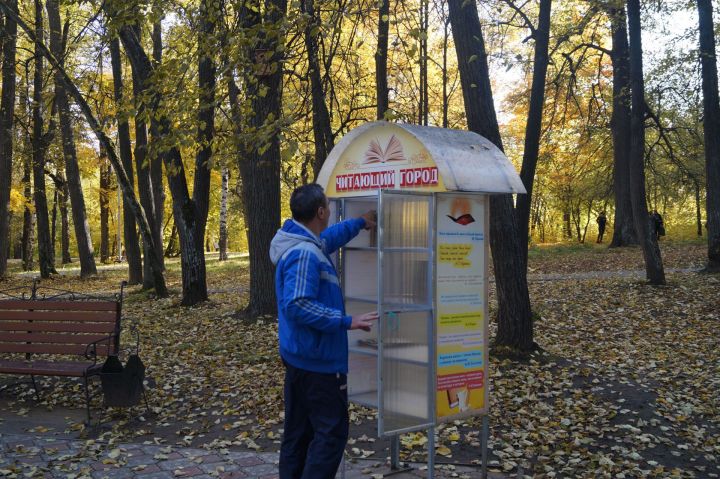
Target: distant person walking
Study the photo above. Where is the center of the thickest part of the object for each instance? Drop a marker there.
(658, 224)
(601, 221)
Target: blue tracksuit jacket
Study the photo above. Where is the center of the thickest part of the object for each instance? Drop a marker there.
(311, 313)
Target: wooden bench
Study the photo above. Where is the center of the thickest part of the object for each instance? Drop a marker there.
(58, 335)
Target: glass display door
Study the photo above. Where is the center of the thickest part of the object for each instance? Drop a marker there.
(405, 295)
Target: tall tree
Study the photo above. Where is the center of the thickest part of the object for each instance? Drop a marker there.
(260, 170)
(322, 131)
(515, 327)
(533, 128)
(423, 104)
(209, 14)
(2, 29)
(104, 199)
(63, 195)
(145, 187)
(381, 60)
(83, 237)
(28, 235)
(643, 222)
(40, 143)
(223, 233)
(190, 213)
(28, 231)
(60, 204)
(156, 161)
(711, 125)
(624, 227)
(259, 146)
(7, 116)
(131, 240)
(445, 44)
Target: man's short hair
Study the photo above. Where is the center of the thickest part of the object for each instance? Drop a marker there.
(305, 201)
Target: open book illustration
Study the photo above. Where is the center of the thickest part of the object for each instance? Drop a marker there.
(464, 220)
(393, 152)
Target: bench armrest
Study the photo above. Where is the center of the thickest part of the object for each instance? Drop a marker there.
(91, 348)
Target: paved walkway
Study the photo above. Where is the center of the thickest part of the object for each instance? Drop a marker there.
(584, 275)
(42, 455)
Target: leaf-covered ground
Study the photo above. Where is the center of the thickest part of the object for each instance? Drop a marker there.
(627, 385)
(552, 259)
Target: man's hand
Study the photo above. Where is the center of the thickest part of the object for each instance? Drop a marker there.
(370, 219)
(364, 321)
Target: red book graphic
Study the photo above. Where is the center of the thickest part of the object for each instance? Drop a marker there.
(393, 152)
(464, 220)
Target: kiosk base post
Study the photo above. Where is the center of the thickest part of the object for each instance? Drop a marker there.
(485, 437)
(431, 453)
(395, 453)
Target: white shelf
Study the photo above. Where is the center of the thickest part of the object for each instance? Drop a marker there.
(360, 300)
(406, 354)
(404, 409)
(391, 306)
(390, 249)
(404, 401)
(405, 307)
(368, 399)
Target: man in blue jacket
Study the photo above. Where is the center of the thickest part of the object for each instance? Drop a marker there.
(313, 335)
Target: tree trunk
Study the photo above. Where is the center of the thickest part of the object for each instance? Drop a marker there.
(28, 236)
(515, 327)
(46, 245)
(698, 210)
(624, 227)
(259, 158)
(171, 250)
(103, 139)
(28, 231)
(381, 59)
(132, 246)
(143, 170)
(194, 268)
(423, 114)
(104, 207)
(576, 222)
(156, 161)
(143, 165)
(445, 96)
(7, 115)
(322, 131)
(83, 237)
(533, 128)
(567, 229)
(2, 29)
(53, 233)
(711, 125)
(64, 223)
(648, 240)
(15, 239)
(223, 255)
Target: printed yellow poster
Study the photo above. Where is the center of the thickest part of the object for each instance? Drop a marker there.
(461, 368)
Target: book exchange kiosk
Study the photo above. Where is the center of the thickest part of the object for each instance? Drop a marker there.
(424, 269)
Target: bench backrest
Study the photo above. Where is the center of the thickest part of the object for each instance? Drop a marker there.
(58, 327)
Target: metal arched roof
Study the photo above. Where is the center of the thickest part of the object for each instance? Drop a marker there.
(464, 161)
